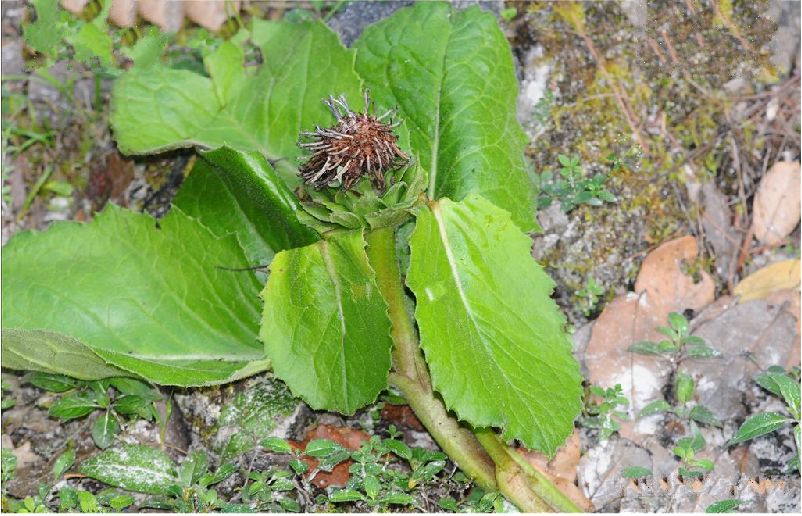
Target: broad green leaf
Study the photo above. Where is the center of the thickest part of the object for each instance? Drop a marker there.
(92, 41)
(132, 467)
(451, 74)
(48, 351)
(51, 382)
(148, 48)
(759, 424)
(492, 336)
(63, 463)
(46, 32)
(728, 505)
(104, 429)
(148, 298)
(702, 414)
(239, 192)
(789, 389)
(325, 324)
(345, 495)
(158, 108)
(73, 406)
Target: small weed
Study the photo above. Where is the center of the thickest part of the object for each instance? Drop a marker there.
(684, 387)
(588, 296)
(604, 409)
(571, 188)
(686, 449)
(118, 399)
(680, 343)
(784, 386)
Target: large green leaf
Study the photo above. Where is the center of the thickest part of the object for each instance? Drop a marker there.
(147, 298)
(239, 192)
(325, 324)
(134, 468)
(451, 74)
(492, 336)
(157, 108)
(51, 352)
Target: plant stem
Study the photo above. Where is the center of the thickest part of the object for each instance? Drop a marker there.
(481, 454)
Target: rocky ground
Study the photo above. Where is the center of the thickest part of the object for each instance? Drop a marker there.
(700, 110)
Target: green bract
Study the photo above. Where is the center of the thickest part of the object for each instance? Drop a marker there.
(175, 301)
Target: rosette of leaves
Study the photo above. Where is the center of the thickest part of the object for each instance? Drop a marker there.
(480, 349)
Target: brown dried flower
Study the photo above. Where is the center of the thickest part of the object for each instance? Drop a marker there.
(360, 144)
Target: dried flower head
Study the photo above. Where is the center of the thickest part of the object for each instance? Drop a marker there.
(360, 144)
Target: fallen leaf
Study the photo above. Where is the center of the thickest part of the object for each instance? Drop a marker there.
(625, 320)
(668, 288)
(344, 436)
(777, 276)
(562, 469)
(402, 416)
(751, 337)
(776, 207)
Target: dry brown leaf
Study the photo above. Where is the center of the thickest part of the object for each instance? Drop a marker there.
(625, 320)
(776, 208)
(777, 276)
(662, 279)
(344, 436)
(562, 469)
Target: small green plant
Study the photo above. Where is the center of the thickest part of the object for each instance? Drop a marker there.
(684, 408)
(571, 188)
(781, 384)
(686, 449)
(37, 503)
(589, 296)
(604, 409)
(117, 399)
(106, 500)
(679, 345)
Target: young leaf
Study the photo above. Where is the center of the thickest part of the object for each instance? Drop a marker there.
(104, 429)
(51, 382)
(492, 336)
(451, 74)
(702, 414)
(134, 468)
(149, 299)
(723, 506)
(261, 111)
(759, 424)
(325, 324)
(684, 386)
(230, 191)
(654, 407)
(73, 406)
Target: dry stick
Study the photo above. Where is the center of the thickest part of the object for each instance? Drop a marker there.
(490, 468)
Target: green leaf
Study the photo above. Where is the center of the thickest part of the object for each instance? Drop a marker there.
(396, 499)
(723, 506)
(654, 407)
(789, 389)
(644, 347)
(702, 414)
(492, 336)
(46, 32)
(636, 472)
(147, 50)
(321, 448)
(325, 324)
(678, 322)
(92, 41)
(105, 428)
(759, 424)
(684, 387)
(768, 380)
(451, 74)
(131, 404)
(50, 352)
(239, 192)
(701, 352)
(148, 298)
(88, 502)
(134, 468)
(346, 495)
(63, 463)
(276, 444)
(74, 406)
(261, 110)
(51, 382)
